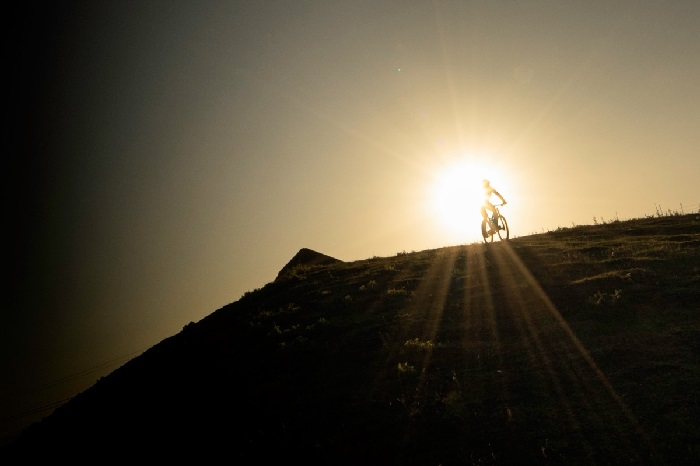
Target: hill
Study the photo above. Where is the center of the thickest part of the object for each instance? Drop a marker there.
(576, 346)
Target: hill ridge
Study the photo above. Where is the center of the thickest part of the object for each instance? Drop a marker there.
(512, 352)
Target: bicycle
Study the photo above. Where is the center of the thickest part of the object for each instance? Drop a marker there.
(500, 227)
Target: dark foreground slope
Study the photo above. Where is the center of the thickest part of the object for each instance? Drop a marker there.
(579, 346)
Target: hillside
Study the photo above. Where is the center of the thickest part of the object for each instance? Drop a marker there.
(576, 346)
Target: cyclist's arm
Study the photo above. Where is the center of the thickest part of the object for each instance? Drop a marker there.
(501, 197)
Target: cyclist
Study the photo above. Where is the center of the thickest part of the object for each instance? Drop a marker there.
(488, 192)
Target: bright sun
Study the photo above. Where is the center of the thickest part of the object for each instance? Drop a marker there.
(457, 195)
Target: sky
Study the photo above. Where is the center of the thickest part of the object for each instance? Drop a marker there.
(167, 157)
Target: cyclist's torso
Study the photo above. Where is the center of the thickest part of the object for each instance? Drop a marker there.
(488, 192)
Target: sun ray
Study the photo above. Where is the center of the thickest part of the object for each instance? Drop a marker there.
(559, 339)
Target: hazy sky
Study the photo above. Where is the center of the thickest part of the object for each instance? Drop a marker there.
(167, 157)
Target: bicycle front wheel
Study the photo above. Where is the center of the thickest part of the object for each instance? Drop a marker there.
(503, 231)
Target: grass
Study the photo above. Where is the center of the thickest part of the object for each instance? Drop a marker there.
(575, 346)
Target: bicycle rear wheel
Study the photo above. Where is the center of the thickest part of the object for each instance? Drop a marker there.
(503, 231)
(488, 238)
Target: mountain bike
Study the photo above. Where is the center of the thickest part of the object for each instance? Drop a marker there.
(499, 224)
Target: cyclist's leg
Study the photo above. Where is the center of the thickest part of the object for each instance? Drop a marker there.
(487, 218)
(483, 213)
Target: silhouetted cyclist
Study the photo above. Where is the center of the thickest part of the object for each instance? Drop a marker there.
(488, 192)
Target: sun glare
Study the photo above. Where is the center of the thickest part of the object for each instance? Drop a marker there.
(457, 195)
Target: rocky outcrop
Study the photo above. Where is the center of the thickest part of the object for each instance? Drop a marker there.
(306, 258)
